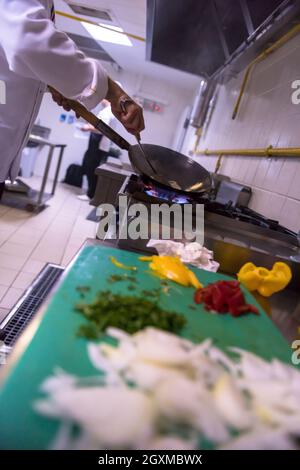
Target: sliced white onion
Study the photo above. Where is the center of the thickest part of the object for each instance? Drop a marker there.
(183, 401)
(63, 438)
(161, 336)
(59, 381)
(118, 334)
(170, 443)
(162, 348)
(252, 366)
(116, 417)
(102, 363)
(177, 383)
(261, 439)
(49, 408)
(231, 404)
(147, 375)
(282, 371)
(205, 370)
(119, 357)
(220, 357)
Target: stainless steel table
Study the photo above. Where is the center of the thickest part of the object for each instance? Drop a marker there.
(31, 199)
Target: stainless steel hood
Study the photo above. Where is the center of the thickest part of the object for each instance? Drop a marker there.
(206, 37)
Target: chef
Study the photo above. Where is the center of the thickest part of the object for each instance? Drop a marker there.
(98, 149)
(34, 54)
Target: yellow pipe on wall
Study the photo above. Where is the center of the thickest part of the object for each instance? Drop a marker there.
(242, 90)
(198, 134)
(84, 20)
(219, 163)
(254, 152)
(280, 42)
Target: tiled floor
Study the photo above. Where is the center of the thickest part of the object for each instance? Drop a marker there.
(28, 241)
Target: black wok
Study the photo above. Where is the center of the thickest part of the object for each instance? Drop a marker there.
(171, 168)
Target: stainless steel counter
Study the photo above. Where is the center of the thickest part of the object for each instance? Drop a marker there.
(31, 199)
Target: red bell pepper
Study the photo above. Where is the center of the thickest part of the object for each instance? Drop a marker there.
(223, 297)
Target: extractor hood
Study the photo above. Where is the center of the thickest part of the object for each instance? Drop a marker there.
(205, 37)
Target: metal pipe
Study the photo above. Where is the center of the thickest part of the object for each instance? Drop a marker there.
(45, 177)
(210, 110)
(60, 157)
(198, 134)
(247, 16)
(254, 152)
(197, 110)
(280, 42)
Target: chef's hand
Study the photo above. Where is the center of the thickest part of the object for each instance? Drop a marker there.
(60, 99)
(127, 111)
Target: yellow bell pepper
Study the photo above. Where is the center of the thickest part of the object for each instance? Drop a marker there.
(172, 268)
(265, 281)
(121, 265)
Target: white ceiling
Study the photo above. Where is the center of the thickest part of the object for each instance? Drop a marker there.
(131, 16)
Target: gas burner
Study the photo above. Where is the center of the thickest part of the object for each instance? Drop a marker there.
(150, 192)
(166, 195)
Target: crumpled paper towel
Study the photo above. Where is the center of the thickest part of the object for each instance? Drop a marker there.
(192, 253)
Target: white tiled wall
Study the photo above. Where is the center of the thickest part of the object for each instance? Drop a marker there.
(266, 117)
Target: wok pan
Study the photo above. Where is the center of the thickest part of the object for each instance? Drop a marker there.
(171, 168)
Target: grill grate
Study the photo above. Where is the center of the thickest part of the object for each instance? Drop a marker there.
(30, 303)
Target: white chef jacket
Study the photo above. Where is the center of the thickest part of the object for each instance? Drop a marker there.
(33, 54)
(106, 116)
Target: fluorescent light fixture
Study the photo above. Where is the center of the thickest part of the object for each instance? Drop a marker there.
(104, 34)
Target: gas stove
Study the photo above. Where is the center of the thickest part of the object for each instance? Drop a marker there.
(147, 191)
(236, 234)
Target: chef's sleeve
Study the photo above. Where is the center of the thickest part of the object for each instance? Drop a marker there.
(34, 48)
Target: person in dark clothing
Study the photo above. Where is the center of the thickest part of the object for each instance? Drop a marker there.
(1, 189)
(98, 149)
(93, 157)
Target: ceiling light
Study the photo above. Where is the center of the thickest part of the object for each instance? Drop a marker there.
(112, 34)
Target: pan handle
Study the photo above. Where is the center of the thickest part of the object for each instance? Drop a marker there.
(112, 135)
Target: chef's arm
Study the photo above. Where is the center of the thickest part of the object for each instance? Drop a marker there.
(34, 48)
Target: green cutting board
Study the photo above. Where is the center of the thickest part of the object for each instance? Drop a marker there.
(56, 344)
